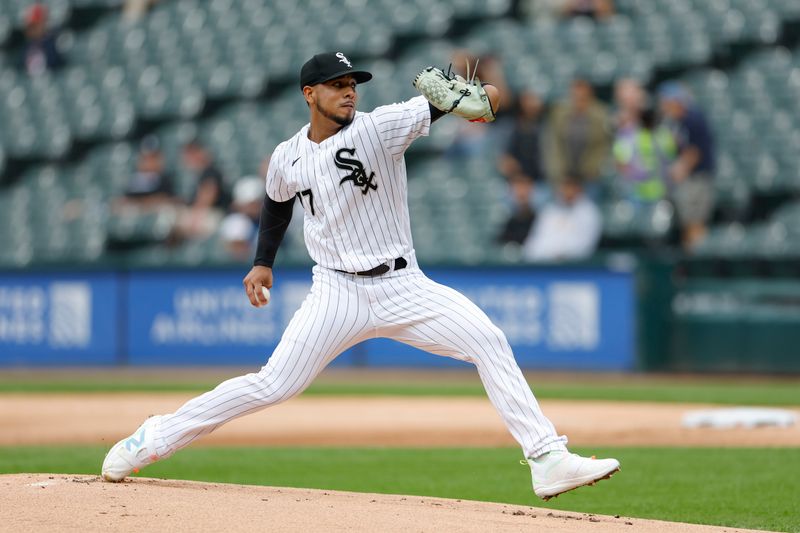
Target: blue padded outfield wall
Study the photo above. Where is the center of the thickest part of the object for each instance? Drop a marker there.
(578, 318)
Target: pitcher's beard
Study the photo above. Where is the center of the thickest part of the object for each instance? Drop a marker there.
(340, 120)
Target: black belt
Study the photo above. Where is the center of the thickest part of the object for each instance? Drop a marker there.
(399, 264)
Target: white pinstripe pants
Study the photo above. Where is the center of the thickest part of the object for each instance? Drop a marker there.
(342, 310)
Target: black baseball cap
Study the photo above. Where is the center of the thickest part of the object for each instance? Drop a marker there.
(328, 66)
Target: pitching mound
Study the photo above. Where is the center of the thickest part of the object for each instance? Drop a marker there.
(85, 503)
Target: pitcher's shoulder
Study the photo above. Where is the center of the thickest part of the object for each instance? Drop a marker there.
(285, 149)
(394, 111)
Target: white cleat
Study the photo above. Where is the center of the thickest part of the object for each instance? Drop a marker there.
(132, 453)
(557, 472)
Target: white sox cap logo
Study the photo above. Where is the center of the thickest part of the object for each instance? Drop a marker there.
(343, 59)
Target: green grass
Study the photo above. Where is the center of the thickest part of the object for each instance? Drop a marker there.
(779, 393)
(751, 488)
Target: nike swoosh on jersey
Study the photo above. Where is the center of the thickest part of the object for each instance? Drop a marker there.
(296, 160)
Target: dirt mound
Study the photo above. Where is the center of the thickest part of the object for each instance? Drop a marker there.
(85, 503)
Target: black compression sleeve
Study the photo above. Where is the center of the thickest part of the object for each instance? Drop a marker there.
(436, 114)
(275, 218)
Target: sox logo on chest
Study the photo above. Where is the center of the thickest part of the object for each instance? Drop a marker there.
(357, 174)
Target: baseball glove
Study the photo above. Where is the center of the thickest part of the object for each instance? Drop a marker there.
(454, 94)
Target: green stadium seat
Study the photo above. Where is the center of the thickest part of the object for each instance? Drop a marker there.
(5, 28)
(146, 256)
(624, 220)
(767, 240)
(134, 226)
(788, 9)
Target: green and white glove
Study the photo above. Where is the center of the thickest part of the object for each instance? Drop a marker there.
(454, 94)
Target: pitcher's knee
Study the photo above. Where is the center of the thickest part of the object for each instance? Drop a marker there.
(495, 344)
(269, 387)
(498, 338)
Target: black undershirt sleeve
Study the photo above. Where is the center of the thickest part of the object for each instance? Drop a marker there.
(275, 218)
(436, 114)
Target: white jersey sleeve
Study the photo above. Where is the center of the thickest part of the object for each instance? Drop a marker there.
(278, 188)
(399, 124)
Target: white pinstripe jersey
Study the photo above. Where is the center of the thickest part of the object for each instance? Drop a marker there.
(353, 186)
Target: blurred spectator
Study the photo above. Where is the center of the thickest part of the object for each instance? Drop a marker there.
(523, 157)
(580, 138)
(238, 237)
(263, 167)
(693, 172)
(239, 228)
(248, 196)
(473, 139)
(210, 200)
(596, 9)
(134, 10)
(150, 185)
(630, 99)
(518, 225)
(566, 229)
(40, 52)
(644, 154)
(489, 70)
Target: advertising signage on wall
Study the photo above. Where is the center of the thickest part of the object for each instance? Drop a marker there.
(553, 319)
(205, 317)
(59, 320)
(560, 319)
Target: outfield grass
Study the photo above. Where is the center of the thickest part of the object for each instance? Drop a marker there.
(725, 393)
(751, 488)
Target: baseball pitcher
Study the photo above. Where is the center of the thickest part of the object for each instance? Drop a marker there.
(347, 169)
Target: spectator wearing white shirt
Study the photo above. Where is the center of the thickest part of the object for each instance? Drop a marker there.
(239, 229)
(566, 229)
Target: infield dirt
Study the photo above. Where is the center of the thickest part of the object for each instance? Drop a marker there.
(84, 503)
(376, 421)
